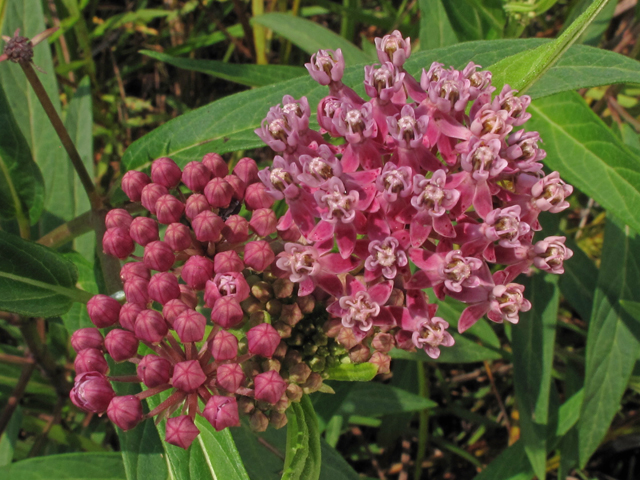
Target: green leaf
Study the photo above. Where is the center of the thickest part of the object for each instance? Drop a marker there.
(362, 372)
(612, 341)
(9, 437)
(310, 36)
(569, 413)
(46, 148)
(303, 454)
(533, 342)
(70, 466)
(511, 464)
(375, 399)
(36, 281)
(244, 74)
(263, 455)
(212, 455)
(78, 317)
(597, 28)
(632, 308)
(435, 29)
(227, 125)
(465, 20)
(578, 283)
(79, 124)
(523, 70)
(21, 183)
(587, 154)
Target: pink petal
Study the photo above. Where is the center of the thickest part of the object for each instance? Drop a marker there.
(443, 226)
(380, 293)
(346, 238)
(471, 315)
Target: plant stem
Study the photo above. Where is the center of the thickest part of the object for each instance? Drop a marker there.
(56, 121)
(16, 394)
(423, 429)
(259, 33)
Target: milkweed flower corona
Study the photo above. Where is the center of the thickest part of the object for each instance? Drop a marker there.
(233, 311)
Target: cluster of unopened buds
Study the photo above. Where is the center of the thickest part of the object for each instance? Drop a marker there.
(425, 185)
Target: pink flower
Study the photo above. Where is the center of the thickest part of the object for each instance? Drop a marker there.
(360, 308)
(393, 48)
(222, 412)
(92, 392)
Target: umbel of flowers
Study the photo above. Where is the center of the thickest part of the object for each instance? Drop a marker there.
(428, 184)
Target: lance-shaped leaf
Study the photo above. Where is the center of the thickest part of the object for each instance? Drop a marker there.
(302, 458)
(212, 455)
(242, 73)
(523, 70)
(36, 281)
(227, 125)
(435, 28)
(21, 183)
(588, 155)
(69, 466)
(612, 341)
(533, 341)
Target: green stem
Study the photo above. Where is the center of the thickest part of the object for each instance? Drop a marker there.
(259, 33)
(423, 429)
(67, 143)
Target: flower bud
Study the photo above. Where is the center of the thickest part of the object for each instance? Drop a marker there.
(188, 296)
(128, 314)
(256, 196)
(90, 360)
(216, 164)
(169, 209)
(207, 226)
(237, 185)
(230, 377)
(86, 338)
(222, 412)
(188, 376)
(277, 419)
(263, 222)
(313, 383)
(359, 354)
(196, 203)
(118, 243)
(263, 340)
(196, 271)
(218, 193)
(134, 270)
(230, 284)
(172, 309)
(144, 230)
(283, 288)
(121, 344)
(382, 361)
(291, 234)
(383, 342)
(136, 291)
(150, 326)
(306, 303)
(228, 261)
(190, 325)
(274, 307)
(258, 255)
(118, 217)
(294, 392)
(224, 346)
(551, 254)
(269, 387)
(178, 237)
(154, 370)
(195, 176)
(103, 310)
(246, 405)
(165, 172)
(92, 392)
(125, 412)
(150, 195)
(181, 431)
(163, 287)
(291, 314)
(247, 170)
(227, 312)
(299, 373)
(159, 256)
(132, 184)
(236, 229)
(258, 421)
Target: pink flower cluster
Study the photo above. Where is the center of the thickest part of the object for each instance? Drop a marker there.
(435, 172)
(214, 325)
(235, 311)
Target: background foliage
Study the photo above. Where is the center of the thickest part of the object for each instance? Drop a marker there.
(555, 396)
